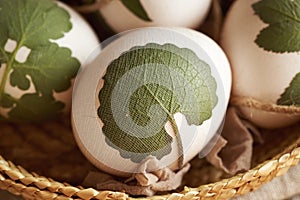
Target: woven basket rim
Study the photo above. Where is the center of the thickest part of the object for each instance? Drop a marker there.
(19, 181)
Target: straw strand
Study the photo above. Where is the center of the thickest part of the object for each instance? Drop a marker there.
(269, 107)
(18, 181)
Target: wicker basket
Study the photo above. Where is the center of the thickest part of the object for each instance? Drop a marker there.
(280, 152)
(49, 152)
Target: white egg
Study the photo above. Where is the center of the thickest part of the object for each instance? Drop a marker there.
(84, 44)
(81, 39)
(257, 73)
(182, 13)
(40, 65)
(164, 67)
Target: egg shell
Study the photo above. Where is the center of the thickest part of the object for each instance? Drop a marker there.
(87, 125)
(182, 13)
(81, 40)
(84, 44)
(259, 74)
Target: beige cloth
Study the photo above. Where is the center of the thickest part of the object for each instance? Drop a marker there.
(233, 150)
(283, 187)
(145, 183)
(232, 153)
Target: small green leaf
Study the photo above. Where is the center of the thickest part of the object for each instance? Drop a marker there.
(48, 68)
(136, 7)
(47, 74)
(283, 32)
(291, 96)
(7, 101)
(31, 107)
(142, 91)
(32, 22)
(2, 59)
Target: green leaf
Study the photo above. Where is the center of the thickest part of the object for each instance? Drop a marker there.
(142, 91)
(48, 68)
(32, 22)
(283, 31)
(31, 107)
(47, 74)
(7, 101)
(136, 7)
(291, 96)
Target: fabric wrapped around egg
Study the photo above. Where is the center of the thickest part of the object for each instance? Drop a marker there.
(152, 92)
(261, 44)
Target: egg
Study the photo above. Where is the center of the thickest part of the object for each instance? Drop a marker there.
(260, 74)
(125, 15)
(151, 92)
(40, 57)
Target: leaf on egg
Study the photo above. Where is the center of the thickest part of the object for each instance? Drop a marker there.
(142, 91)
(283, 31)
(291, 96)
(136, 8)
(46, 68)
(47, 74)
(36, 103)
(2, 59)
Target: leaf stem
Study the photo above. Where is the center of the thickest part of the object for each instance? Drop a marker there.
(7, 70)
(179, 142)
(175, 128)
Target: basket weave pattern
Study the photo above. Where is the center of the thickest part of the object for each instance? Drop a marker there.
(269, 160)
(19, 181)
